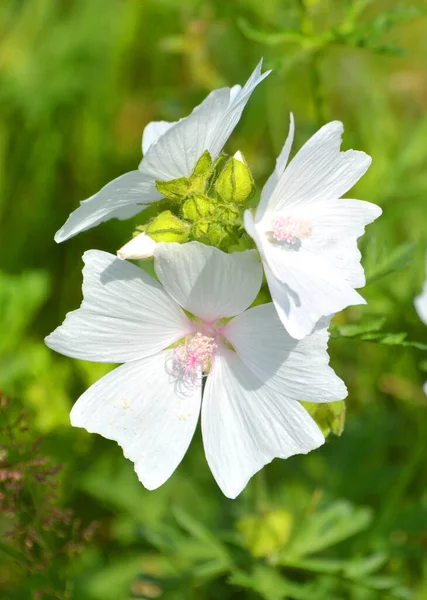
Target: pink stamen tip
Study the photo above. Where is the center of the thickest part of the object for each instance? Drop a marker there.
(193, 358)
(291, 229)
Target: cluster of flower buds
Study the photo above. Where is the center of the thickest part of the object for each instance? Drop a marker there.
(202, 337)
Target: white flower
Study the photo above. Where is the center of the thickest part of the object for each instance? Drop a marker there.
(171, 151)
(421, 307)
(307, 235)
(150, 405)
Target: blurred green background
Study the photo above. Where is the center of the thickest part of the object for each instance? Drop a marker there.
(79, 80)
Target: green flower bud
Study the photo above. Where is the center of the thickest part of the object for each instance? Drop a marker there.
(167, 227)
(330, 416)
(235, 183)
(198, 207)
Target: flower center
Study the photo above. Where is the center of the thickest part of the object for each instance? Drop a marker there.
(291, 229)
(193, 358)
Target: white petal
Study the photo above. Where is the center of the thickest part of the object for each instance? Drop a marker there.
(421, 303)
(298, 369)
(206, 281)
(274, 178)
(319, 172)
(137, 406)
(337, 224)
(245, 425)
(153, 131)
(125, 314)
(122, 198)
(141, 246)
(208, 127)
(304, 288)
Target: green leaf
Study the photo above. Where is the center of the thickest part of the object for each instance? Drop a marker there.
(328, 527)
(270, 584)
(21, 296)
(273, 38)
(388, 261)
(200, 532)
(365, 565)
(369, 332)
(356, 329)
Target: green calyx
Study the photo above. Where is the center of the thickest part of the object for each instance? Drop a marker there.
(211, 232)
(198, 207)
(211, 204)
(167, 227)
(235, 184)
(180, 189)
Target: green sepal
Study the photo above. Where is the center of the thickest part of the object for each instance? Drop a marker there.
(210, 232)
(167, 227)
(229, 215)
(179, 189)
(330, 416)
(202, 172)
(198, 207)
(235, 184)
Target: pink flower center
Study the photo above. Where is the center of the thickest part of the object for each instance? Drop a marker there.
(291, 229)
(193, 358)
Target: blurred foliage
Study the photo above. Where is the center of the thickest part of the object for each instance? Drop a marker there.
(78, 82)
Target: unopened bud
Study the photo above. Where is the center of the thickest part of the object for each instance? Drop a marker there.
(167, 227)
(235, 183)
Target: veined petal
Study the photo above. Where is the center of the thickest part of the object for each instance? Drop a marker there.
(125, 314)
(137, 406)
(206, 281)
(337, 224)
(319, 171)
(297, 369)
(153, 131)
(304, 288)
(122, 198)
(245, 425)
(141, 246)
(208, 127)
